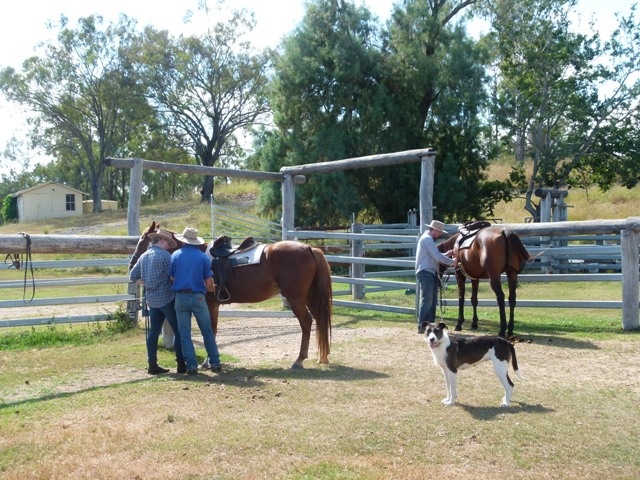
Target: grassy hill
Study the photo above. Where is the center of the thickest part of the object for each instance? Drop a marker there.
(592, 204)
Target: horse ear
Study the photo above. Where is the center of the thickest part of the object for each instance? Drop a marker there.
(442, 326)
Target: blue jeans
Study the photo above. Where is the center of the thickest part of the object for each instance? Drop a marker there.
(157, 316)
(186, 305)
(429, 296)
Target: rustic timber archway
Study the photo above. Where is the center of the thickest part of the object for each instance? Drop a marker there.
(288, 176)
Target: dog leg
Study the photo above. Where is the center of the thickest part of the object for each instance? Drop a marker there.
(501, 369)
(451, 379)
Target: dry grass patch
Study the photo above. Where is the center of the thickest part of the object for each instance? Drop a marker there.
(374, 413)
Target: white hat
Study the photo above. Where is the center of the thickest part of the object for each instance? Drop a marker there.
(437, 225)
(166, 235)
(190, 236)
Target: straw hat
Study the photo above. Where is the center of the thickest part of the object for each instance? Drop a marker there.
(190, 236)
(437, 225)
(166, 235)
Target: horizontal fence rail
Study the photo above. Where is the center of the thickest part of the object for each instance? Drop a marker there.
(549, 243)
(615, 252)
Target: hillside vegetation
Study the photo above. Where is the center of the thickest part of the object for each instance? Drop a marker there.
(592, 204)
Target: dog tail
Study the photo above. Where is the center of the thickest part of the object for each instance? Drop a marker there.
(514, 362)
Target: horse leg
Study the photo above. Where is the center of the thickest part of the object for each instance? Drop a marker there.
(474, 303)
(214, 308)
(512, 279)
(460, 280)
(299, 309)
(496, 286)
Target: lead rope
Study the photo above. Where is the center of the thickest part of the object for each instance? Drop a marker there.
(14, 261)
(444, 281)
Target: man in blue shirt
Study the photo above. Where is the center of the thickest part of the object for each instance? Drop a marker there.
(192, 278)
(152, 271)
(427, 259)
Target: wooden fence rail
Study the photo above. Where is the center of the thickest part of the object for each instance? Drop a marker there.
(627, 252)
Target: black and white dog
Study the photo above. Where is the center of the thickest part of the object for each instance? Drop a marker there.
(453, 352)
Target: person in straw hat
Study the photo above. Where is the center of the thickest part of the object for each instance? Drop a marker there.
(192, 278)
(152, 271)
(428, 258)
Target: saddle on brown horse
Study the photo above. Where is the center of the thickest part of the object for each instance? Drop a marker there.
(468, 232)
(223, 263)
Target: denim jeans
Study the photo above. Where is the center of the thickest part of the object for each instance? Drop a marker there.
(429, 296)
(157, 316)
(186, 305)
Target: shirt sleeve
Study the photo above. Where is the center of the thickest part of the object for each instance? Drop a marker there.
(134, 275)
(439, 257)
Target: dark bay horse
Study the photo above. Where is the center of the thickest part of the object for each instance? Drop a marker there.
(298, 271)
(495, 250)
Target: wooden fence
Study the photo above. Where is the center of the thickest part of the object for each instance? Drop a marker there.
(624, 257)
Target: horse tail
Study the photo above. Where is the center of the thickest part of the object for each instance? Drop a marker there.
(320, 303)
(516, 247)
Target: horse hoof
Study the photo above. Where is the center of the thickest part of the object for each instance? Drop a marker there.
(458, 328)
(474, 326)
(297, 366)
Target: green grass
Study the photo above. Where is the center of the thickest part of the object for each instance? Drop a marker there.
(52, 335)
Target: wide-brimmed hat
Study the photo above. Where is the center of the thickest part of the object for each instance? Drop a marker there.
(437, 225)
(190, 236)
(166, 235)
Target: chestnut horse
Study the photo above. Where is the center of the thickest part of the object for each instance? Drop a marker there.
(494, 250)
(299, 272)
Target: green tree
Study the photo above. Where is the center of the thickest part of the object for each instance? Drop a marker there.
(343, 88)
(327, 104)
(567, 101)
(84, 93)
(10, 208)
(206, 89)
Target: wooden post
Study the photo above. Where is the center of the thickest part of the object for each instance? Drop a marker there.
(132, 306)
(357, 269)
(426, 189)
(427, 174)
(630, 281)
(288, 205)
(135, 195)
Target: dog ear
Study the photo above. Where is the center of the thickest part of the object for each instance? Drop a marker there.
(442, 326)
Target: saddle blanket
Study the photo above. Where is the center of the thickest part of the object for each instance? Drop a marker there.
(246, 257)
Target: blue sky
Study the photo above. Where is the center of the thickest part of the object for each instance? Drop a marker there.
(23, 26)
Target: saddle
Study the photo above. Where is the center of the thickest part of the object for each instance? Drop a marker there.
(468, 232)
(225, 257)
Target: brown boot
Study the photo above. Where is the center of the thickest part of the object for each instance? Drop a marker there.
(155, 369)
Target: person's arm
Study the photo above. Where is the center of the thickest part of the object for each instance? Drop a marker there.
(439, 257)
(211, 287)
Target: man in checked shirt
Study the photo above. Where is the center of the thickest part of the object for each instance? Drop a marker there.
(152, 271)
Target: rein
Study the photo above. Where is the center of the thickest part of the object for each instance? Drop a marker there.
(444, 281)
(13, 261)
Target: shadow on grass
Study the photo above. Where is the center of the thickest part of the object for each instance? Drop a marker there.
(68, 394)
(230, 376)
(251, 377)
(491, 413)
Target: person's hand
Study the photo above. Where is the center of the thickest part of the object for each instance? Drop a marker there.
(140, 282)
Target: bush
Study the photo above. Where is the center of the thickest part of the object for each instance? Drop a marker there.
(10, 208)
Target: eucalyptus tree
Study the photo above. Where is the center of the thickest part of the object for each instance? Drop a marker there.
(207, 88)
(568, 101)
(84, 94)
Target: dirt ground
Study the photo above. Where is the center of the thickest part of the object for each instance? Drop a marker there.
(254, 341)
(249, 340)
